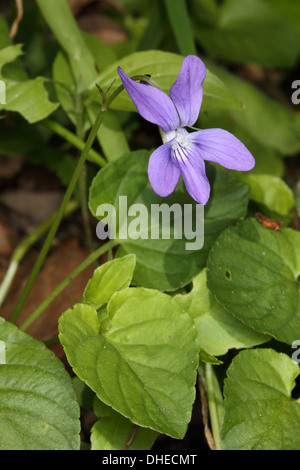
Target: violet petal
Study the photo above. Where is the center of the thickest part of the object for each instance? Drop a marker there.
(192, 167)
(152, 103)
(187, 91)
(220, 146)
(162, 172)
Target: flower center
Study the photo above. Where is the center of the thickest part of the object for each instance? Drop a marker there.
(181, 144)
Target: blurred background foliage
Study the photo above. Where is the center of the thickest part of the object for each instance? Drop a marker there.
(251, 46)
(50, 65)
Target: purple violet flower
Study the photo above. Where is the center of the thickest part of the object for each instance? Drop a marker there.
(183, 152)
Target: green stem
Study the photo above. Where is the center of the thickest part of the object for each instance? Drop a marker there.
(59, 215)
(82, 182)
(82, 185)
(92, 156)
(87, 262)
(106, 101)
(23, 248)
(215, 403)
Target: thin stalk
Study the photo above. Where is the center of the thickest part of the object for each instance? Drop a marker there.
(59, 215)
(82, 186)
(67, 135)
(23, 247)
(82, 182)
(106, 101)
(215, 402)
(81, 267)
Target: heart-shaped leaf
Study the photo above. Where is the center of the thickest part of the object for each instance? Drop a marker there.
(30, 99)
(164, 68)
(9, 54)
(109, 278)
(38, 407)
(165, 263)
(141, 361)
(218, 331)
(259, 411)
(112, 431)
(253, 272)
(269, 190)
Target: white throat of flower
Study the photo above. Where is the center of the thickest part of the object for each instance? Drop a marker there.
(181, 143)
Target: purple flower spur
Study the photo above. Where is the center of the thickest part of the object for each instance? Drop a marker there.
(183, 152)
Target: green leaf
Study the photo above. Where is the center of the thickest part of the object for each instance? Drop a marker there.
(244, 32)
(30, 99)
(65, 87)
(259, 411)
(164, 68)
(180, 21)
(280, 134)
(253, 273)
(109, 278)
(208, 358)
(139, 362)
(155, 30)
(165, 263)
(217, 330)
(13, 68)
(38, 407)
(112, 138)
(102, 53)
(112, 431)
(205, 11)
(288, 8)
(85, 396)
(82, 63)
(110, 134)
(4, 33)
(270, 191)
(9, 54)
(68, 34)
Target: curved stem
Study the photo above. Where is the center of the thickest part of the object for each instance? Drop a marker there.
(106, 101)
(92, 156)
(215, 403)
(81, 267)
(23, 247)
(59, 215)
(82, 181)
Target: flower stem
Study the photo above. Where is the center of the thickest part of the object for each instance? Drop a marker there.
(23, 247)
(92, 156)
(215, 401)
(59, 215)
(81, 267)
(106, 101)
(82, 181)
